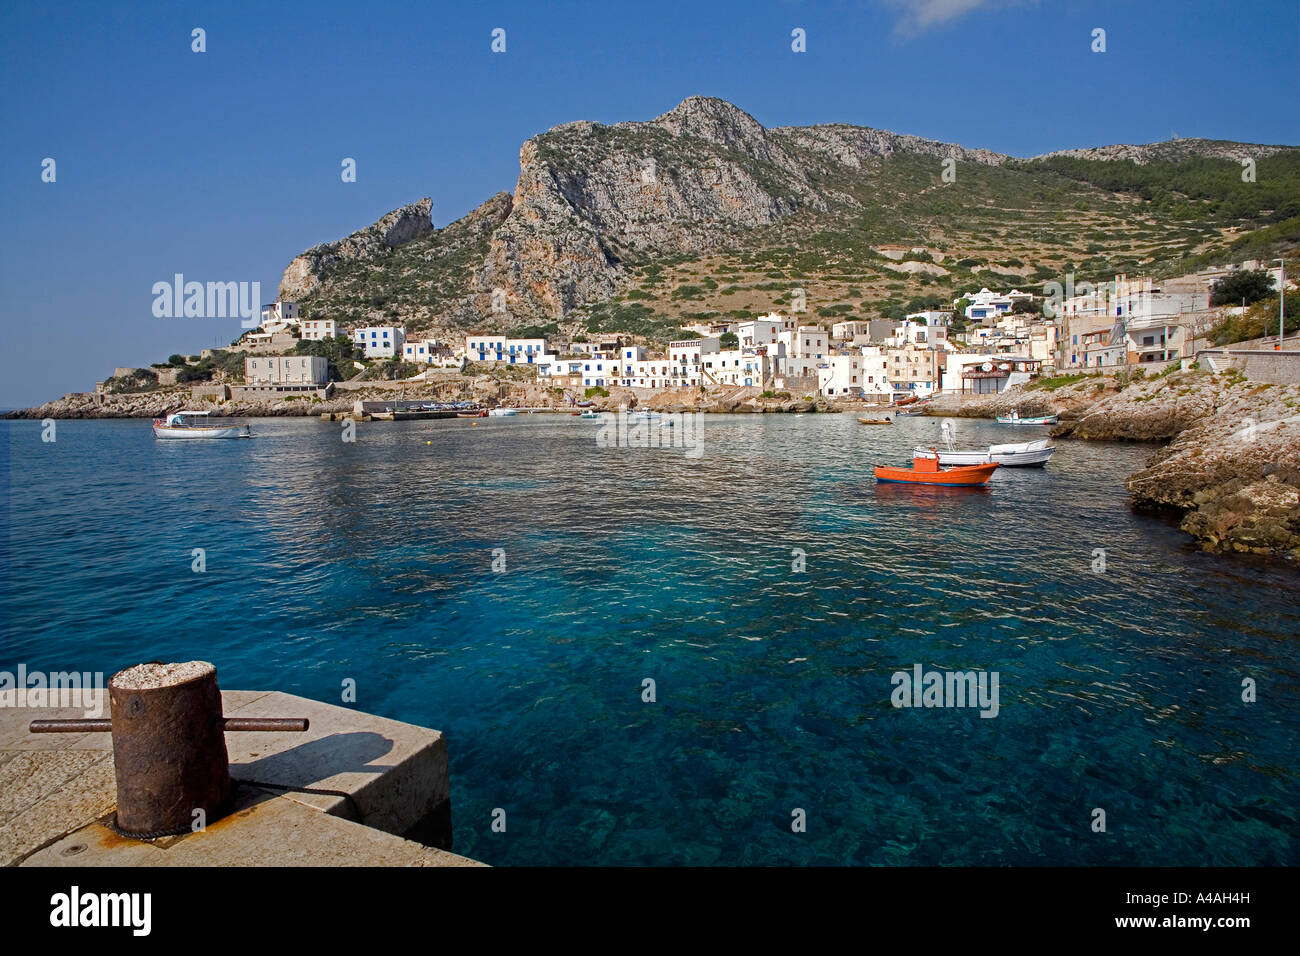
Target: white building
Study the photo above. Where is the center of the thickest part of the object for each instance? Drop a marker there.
(380, 341)
(501, 348)
(764, 330)
(861, 373)
(750, 367)
(806, 349)
(875, 374)
(286, 371)
(1132, 322)
(952, 380)
(280, 338)
(986, 305)
(428, 352)
(841, 376)
(601, 348)
(318, 329)
(913, 369)
(919, 334)
(585, 372)
(851, 329)
(686, 359)
(278, 316)
(705, 329)
(930, 317)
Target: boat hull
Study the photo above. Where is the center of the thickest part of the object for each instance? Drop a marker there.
(188, 432)
(1033, 458)
(964, 476)
(1038, 420)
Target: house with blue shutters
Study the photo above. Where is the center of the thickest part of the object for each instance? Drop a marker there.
(380, 341)
(501, 348)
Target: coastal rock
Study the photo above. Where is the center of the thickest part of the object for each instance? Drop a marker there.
(400, 226)
(1234, 471)
(1068, 401)
(1231, 465)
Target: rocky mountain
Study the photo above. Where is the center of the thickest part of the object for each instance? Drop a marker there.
(1172, 151)
(400, 226)
(642, 223)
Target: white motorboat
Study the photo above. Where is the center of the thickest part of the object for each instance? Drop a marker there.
(191, 424)
(1015, 418)
(1027, 454)
(502, 412)
(649, 418)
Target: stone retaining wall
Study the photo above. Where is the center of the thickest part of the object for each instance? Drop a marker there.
(1276, 368)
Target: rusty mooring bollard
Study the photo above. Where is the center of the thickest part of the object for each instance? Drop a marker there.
(169, 746)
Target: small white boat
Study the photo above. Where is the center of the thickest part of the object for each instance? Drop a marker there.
(649, 418)
(590, 415)
(1015, 419)
(502, 412)
(199, 425)
(1029, 454)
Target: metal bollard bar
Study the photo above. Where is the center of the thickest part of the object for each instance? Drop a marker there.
(77, 725)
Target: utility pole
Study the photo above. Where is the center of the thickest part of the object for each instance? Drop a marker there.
(1281, 305)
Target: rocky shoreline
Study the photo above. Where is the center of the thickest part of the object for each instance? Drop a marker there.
(1230, 465)
(487, 389)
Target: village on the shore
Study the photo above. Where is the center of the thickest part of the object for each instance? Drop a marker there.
(989, 342)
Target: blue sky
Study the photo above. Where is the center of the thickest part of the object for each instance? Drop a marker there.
(224, 165)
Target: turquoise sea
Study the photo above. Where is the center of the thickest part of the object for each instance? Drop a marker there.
(1120, 689)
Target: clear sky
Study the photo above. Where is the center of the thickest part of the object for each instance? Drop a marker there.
(225, 164)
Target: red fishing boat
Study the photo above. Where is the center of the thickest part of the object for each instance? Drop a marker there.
(927, 471)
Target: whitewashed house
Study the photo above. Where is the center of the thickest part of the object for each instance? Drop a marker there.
(380, 341)
(428, 352)
(751, 367)
(286, 372)
(278, 316)
(314, 330)
(806, 349)
(841, 376)
(502, 348)
(984, 305)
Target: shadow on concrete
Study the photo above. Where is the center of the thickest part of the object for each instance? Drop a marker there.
(305, 768)
(316, 760)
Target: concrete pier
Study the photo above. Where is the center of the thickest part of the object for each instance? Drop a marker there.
(354, 790)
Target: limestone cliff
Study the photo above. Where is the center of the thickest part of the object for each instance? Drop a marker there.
(402, 225)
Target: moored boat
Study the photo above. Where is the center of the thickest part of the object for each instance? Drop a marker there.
(926, 471)
(1029, 454)
(195, 424)
(874, 421)
(503, 412)
(1015, 418)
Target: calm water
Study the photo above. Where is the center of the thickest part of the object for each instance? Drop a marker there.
(373, 561)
